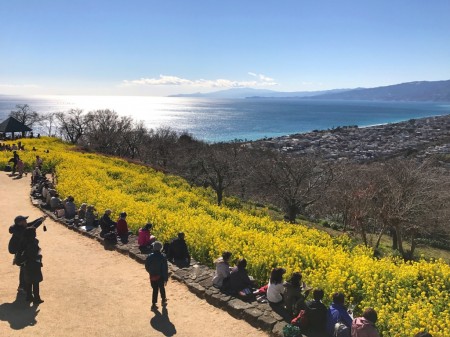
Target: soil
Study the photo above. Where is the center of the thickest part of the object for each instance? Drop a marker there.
(90, 291)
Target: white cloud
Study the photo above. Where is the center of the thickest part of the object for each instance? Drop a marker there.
(262, 81)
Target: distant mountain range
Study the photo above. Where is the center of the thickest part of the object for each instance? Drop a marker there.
(435, 91)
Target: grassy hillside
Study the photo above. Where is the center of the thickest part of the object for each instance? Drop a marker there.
(408, 296)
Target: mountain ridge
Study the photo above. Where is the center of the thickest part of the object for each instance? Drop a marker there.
(434, 91)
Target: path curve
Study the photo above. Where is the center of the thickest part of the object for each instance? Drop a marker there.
(89, 291)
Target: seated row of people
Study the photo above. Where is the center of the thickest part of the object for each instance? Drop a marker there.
(290, 296)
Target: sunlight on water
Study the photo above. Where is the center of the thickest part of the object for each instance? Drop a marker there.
(228, 119)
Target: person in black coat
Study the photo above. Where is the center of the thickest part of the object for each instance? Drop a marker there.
(108, 227)
(33, 266)
(16, 244)
(178, 251)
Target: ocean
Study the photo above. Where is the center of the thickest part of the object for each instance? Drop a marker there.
(216, 120)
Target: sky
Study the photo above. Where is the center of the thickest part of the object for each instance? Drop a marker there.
(157, 48)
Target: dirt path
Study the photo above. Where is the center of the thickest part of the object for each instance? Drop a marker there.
(92, 292)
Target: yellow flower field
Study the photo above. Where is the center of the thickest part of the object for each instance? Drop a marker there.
(409, 297)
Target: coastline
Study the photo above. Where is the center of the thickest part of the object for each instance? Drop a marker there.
(420, 137)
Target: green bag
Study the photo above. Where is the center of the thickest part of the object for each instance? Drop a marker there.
(291, 331)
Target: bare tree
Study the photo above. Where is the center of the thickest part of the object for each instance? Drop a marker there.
(25, 115)
(72, 124)
(292, 183)
(48, 122)
(217, 166)
(411, 200)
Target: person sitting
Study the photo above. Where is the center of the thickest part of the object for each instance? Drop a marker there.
(108, 227)
(145, 239)
(365, 326)
(275, 288)
(294, 299)
(36, 175)
(90, 217)
(178, 252)
(82, 213)
(337, 313)
(317, 313)
(70, 208)
(222, 273)
(56, 203)
(122, 228)
(240, 282)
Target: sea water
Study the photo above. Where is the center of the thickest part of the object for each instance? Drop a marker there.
(215, 120)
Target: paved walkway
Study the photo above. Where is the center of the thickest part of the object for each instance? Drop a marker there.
(89, 291)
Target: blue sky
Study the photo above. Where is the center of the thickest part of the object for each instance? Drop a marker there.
(146, 47)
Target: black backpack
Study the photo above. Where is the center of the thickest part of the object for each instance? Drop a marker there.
(14, 244)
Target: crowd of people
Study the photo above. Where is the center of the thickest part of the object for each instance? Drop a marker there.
(290, 295)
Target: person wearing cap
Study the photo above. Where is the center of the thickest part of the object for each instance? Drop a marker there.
(157, 268)
(16, 246)
(178, 252)
(122, 228)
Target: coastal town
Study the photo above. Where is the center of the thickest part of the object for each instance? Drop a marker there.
(416, 137)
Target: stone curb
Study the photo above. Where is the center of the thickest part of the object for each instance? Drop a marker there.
(197, 278)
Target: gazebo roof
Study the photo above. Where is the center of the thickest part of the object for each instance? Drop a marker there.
(13, 125)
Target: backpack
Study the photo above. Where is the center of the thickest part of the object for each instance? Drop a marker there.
(341, 330)
(153, 266)
(291, 331)
(14, 244)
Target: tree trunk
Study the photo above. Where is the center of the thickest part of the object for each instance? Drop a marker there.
(398, 232)
(219, 193)
(413, 245)
(394, 238)
(292, 213)
(377, 244)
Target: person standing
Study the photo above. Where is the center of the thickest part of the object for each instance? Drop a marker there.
(16, 245)
(33, 266)
(157, 268)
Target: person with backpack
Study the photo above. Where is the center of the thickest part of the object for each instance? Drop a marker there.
(365, 326)
(16, 244)
(157, 268)
(339, 321)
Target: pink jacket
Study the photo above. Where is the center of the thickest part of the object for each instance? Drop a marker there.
(362, 327)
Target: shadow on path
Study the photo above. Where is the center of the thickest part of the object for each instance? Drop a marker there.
(162, 323)
(19, 314)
